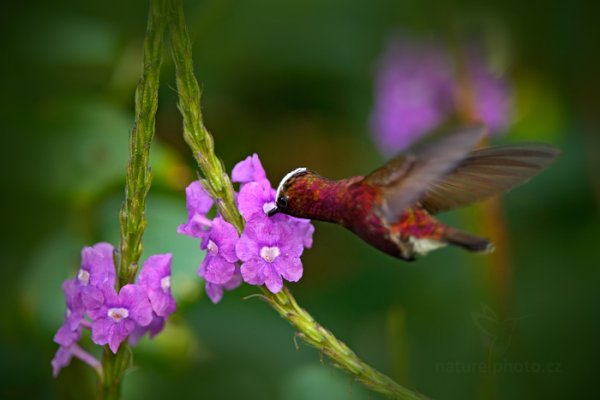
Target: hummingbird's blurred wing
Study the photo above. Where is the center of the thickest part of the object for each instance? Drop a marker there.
(407, 177)
(487, 172)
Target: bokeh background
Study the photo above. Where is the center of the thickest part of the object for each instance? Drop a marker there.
(294, 82)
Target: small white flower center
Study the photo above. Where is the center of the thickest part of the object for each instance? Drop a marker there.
(118, 313)
(83, 276)
(165, 283)
(269, 254)
(212, 247)
(269, 206)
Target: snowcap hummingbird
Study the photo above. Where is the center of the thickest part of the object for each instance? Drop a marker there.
(393, 207)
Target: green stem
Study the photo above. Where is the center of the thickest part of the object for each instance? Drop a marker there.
(114, 367)
(132, 215)
(217, 182)
(137, 183)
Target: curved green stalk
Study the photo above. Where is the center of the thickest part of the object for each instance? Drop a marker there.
(217, 182)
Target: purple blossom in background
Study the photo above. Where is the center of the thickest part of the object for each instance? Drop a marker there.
(215, 291)
(97, 272)
(269, 252)
(413, 93)
(492, 93)
(120, 315)
(155, 278)
(416, 90)
(218, 264)
(198, 203)
(248, 170)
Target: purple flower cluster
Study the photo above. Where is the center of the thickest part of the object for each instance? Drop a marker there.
(416, 90)
(268, 250)
(93, 303)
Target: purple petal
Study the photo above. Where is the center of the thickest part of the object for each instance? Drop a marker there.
(248, 170)
(246, 248)
(73, 319)
(155, 277)
(273, 280)
(214, 292)
(61, 359)
(289, 267)
(119, 333)
(155, 268)
(253, 198)
(217, 270)
(134, 298)
(98, 262)
(198, 201)
(72, 297)
(234, 282)
(163, 303)
(252, 271)
(92, 297)
(197, 226)
(291, 243)
(101, 330)
(268, 232)
(225, 236)
(156, 326)
(65, 336)
(304, 229)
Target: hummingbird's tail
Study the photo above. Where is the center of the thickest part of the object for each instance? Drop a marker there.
(467, 241)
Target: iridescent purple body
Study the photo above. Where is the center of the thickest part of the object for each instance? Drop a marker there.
(352, 203)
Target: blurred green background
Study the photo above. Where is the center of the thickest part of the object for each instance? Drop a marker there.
(293, 81)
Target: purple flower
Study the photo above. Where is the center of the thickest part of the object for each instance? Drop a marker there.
(97, 272)
(214, 291)
(119, 315)
(155, 277)
(218, 264)
(271, 247)
(198, 203)
(269, 252)
(413, 93)
(248, 170)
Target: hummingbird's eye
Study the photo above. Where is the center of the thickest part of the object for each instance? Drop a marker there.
(282, 201)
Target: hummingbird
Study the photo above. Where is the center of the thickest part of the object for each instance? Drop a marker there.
(393, 208)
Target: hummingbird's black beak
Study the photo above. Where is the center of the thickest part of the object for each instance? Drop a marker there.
(272, 211)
